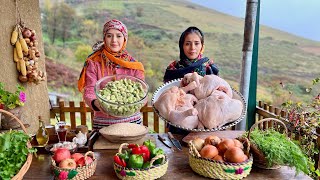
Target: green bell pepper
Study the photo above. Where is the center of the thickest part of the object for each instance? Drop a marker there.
(150, 145)
(135, 161)
(125, 156)
(154, 153)
(146, 165)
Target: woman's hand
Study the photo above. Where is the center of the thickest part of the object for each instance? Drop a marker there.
(96, 103)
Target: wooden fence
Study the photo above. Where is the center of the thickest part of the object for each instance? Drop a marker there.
(63, 110)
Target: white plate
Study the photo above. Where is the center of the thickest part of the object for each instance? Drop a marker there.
(176, 82)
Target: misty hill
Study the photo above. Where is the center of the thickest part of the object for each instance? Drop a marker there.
(154, 30)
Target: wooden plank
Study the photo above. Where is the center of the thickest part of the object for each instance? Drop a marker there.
(62, 111)
(72, 116)
(156, 124)
(270, 123)
(145, 119)
(83, 113)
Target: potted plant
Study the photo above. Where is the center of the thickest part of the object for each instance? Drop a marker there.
(304, 121)
(11, 101)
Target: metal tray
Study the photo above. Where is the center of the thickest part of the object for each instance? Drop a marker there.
(176, 82)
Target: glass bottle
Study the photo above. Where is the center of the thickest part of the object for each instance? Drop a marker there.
(42, 135)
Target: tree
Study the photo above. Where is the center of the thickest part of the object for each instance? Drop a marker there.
(66, 15)
(60, 18)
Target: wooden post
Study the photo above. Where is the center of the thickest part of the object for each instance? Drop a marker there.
(249, 29)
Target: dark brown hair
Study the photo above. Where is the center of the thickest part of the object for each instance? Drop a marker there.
(189, 30)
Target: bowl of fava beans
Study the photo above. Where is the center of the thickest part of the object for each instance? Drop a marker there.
(121, 95)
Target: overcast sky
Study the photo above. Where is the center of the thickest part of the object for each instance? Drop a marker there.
(299, 17)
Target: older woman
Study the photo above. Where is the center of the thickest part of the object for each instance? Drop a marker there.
(110, 57)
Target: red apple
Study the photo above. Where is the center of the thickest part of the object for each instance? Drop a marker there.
(76, 156)
(88, 160)
(68, 164)
(61, 154)
(81, 162)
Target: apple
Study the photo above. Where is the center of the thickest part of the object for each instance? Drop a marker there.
(81, 162)
(76, 156)
(68, 164)
(88, 160)
(61, 154)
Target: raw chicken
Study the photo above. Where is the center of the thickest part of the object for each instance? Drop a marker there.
(203, 87)
(186, 118)
(175, 99)
(218, 109)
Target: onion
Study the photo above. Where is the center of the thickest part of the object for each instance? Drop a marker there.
(224, 145)
(209, 151)
(198, 143)
(235, 155)
(218, 158)
(213, 140)
(237, 143)
(26, 33)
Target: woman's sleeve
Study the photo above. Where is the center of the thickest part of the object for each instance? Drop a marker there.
(90, 81)
(140, 74)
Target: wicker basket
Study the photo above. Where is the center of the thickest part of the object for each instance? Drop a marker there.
(27, 164)
(217, 169)
(259, 159)
(154, 172)
(79, 173)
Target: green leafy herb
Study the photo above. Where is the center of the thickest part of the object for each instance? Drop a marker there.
(279, 149)
(13, 153)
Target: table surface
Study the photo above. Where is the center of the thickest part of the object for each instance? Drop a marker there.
(178, 164)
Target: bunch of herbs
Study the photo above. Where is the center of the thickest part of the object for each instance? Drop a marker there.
(13, 153)
(278, 149)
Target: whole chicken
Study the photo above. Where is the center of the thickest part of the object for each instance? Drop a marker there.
(172, 99)
(218, 109)
(203, 87)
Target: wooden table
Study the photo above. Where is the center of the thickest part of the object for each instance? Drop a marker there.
(178, 165)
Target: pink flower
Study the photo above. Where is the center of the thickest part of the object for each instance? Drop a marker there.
(63, 175)
(22, 96)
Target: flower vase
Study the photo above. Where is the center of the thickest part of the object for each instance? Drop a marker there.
(7, 122)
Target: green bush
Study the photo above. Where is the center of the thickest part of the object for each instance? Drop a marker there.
(82, 52)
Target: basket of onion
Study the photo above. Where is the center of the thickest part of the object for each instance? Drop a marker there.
(220, 158)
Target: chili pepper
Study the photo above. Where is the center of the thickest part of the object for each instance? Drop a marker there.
(150, 145)
(155, 152)
(125, 156)
(143, 150)
(119, 161)
(135, 161)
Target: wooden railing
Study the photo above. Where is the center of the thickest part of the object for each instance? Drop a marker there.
(64, 109)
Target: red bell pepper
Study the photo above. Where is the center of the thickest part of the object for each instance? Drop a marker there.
(119, 161)
(143, 150)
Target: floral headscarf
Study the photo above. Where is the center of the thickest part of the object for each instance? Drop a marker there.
(103, 53)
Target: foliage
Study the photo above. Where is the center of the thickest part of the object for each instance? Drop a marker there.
(82, 52)
(304, 119)
(12, 100)
(13, 152)
(278, 149)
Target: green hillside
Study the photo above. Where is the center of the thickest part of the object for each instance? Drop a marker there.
(154, 30)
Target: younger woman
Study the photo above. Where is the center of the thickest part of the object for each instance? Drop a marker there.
(110, 57)
(191, 45)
